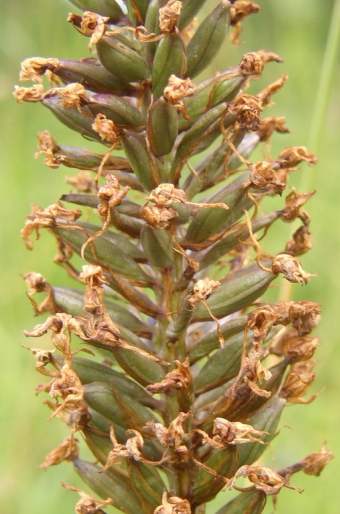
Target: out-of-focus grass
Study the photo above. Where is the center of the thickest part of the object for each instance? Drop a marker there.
(298, 32)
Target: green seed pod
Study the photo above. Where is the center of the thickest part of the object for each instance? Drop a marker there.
(266, 419)
(152, 26)
(120, 57)
(101, 423)
(83, 159)
(72, 118)
(221, 367)
(208, 39)
(92, 75)
(208, 96)
(209, 222)
(117, 109)
(249, 502)
(100, 445)
(125, 411)
(210, 341)
(157, 246)
(72, 301)
(147, 483)
(170, 59)
(104, 252)
(134, 296)
(139, 367)
(136, 151)
(105, 482)
(109, 8)
(246, 402)
(229, 242)
(189, 10)
(90, 371)
(194, 135)
(242, 289)
(223, 462)
(162, 126)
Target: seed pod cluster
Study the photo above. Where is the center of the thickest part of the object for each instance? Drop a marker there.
(189, 367)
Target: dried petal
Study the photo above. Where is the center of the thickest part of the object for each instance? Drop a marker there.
(291, 269)
(67, 450)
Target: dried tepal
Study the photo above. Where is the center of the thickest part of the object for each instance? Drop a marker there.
(189, 370)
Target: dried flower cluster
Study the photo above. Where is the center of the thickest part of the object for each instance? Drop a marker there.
(188, 369)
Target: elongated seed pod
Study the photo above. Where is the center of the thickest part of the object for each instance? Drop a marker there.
(170, 59)
(109, 8)
(207, 39)
(119, 57)
(105, 482)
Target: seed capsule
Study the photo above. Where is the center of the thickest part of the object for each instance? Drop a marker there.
(162, 127)
(117, 109)
(242, 289)
(122, 58)
(170, 59)
(207, 39)
(251, 502)
(104, 482)
(104, 7)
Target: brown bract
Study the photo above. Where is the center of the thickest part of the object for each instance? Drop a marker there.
(270, 125)
(293, 155)
(298, 381)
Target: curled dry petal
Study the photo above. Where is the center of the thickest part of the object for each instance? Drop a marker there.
(178, 89)
(264, 176)
(73, 95)
(266, 93)
(301, 242)
(291, 269)
(251, 64)
(38, 284)
(87, 504)
(175, 505)
(293, 155)
(297, 383)
(264, 479)
(178, 378)
(171, 437)
(294, 202)
(34, 67)
(158, 217)
(45, 218)
(169, 15)
(131, 449)
(247, 109)
(29, 94)
(107, 130)
(270, 125)
(68, 450)
(314, 463)
(164, 194)
(90, 24)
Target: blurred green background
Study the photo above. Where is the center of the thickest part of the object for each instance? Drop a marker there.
(298, 31)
